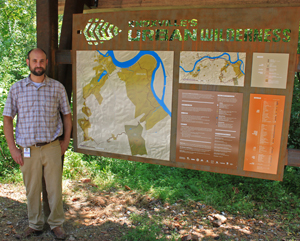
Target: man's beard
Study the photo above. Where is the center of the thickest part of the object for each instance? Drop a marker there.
(36, 72)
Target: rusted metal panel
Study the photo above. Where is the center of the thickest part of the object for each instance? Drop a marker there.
(62, 4)
(293, 157)
(47, 30)
(119, 4)
(265, 20)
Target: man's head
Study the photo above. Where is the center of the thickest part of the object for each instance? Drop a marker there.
(37, 61)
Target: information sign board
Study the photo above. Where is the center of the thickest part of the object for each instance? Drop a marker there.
(208, 127)
(264, 133)
(184, 88)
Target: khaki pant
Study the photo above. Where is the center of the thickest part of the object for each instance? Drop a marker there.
(47, 157)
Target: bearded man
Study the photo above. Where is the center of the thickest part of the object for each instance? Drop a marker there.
(38, 101)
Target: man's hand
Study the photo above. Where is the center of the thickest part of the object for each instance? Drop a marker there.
(67, 120)
(64, 144)
(16, 154)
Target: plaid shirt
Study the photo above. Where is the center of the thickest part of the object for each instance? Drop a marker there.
(38, 110)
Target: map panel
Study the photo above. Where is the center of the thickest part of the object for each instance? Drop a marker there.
(124, 101)
(212, 68)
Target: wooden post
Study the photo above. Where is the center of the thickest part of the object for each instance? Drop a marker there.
(47, 39)
(65, 70)
(47, 31)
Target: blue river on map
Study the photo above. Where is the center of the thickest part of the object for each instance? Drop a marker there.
(133, 61)
(242, 66)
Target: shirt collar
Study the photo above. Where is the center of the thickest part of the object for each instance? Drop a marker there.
(45, 82)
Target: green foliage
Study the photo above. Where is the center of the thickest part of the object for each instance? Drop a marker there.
(294, 130)
(7, 164)
(17, 37)
(146, 229)
(225, 192)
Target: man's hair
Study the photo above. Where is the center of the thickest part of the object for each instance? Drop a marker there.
(35, 49)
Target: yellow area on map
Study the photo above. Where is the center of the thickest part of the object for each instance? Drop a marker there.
(196, 73)
(93, 88)
(86, 110)
(138, 86)
(136, 141)
(85, 125)
(236, 68)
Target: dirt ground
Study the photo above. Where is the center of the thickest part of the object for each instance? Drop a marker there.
(107, 215)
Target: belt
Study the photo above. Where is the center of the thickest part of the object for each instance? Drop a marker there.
(44, 143)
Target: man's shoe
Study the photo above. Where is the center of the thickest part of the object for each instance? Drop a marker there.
(29, 232)
(59, 233)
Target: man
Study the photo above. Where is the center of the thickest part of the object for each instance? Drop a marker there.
(37, 101)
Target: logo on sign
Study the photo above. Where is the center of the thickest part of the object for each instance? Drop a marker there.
(97, 31)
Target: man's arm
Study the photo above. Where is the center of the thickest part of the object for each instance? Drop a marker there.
(15, 152)
(67, 120)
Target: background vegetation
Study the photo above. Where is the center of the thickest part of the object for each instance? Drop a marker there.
(17, 37)
(228, 193)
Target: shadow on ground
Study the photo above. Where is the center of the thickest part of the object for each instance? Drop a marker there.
(93, 214)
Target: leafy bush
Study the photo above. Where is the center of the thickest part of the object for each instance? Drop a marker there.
(294, 130)
(17, 37)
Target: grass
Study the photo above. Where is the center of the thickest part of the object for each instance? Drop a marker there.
(245, 196)
(233, 194)
(146, 228)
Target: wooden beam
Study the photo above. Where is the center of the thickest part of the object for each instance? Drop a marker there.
(293, 157)
(61, 6)
(47, 39)
(63, 55)
(47, 31)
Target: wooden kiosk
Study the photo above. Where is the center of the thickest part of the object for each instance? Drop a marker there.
(206, 85)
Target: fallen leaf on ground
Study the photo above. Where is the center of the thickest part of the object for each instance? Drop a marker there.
(87, 180)
(75, 199)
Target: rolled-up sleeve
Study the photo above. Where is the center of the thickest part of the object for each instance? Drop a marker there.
(10, 108)
(64, 102)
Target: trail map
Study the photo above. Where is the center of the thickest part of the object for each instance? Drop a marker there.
(212, 68)
(124, 101)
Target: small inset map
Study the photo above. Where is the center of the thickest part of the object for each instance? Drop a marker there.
(212, 68)
(124, 101)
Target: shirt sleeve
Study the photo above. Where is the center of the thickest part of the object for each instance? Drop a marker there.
(64, 102)
(10, 108)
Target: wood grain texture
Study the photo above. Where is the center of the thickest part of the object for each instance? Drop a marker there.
(47, 31)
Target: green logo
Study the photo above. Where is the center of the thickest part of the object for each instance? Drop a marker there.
(97, 31)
